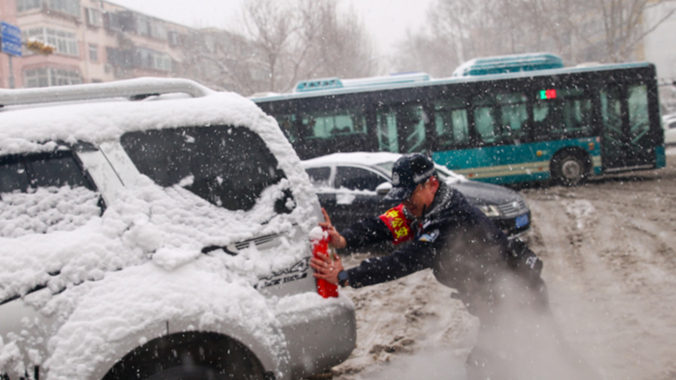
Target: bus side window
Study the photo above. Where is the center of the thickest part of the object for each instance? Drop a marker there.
(514, 114)
(326, 125)
(411, 120)
(567, 115)
(401, 128)
(546, 118)
(288, 125)
(485, 123)
(500, 118)
(451, 123)
(386, 120)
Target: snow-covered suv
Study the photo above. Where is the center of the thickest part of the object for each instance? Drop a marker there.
(155, 229)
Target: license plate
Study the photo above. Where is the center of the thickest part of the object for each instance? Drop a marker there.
(521, 220)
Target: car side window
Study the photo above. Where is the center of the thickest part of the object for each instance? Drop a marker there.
(319, 176)
(46, 192)
(228, 166)
(13, 177)
(57, 171)
(357, 178)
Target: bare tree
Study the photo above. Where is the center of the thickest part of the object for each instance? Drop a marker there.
(578, 30)
(341, 47)
(284, 42)
(271, 24)
(224, 61)
(623, 25)
(309, 39)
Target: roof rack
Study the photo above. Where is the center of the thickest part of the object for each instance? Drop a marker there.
(133, 89)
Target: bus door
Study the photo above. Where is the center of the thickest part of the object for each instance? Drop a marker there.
(626, 138)
(402, 127)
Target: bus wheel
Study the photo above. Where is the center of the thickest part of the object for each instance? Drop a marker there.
(568, 169)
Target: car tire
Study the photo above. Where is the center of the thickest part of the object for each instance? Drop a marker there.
(568, 169)
(192, 373)
(190, 356)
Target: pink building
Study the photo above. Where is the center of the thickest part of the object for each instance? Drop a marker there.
(8, 15)
(93, 40)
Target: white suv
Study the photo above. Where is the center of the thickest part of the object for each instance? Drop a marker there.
(155, 229)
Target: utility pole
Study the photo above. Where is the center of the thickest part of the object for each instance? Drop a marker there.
(11, 71)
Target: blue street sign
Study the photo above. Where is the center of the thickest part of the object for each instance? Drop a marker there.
(11, 39)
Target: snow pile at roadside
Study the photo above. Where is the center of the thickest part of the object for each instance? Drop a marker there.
(581, 210)
(141, 262)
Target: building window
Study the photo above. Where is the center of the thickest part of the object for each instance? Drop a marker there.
(112, 22)
(93, 53)
(152, 59)
(25, 5)
(139, 57)
(71, 7)
(173, 38)
(94, 17)
(157, 30)
(45, 77)
(64, 42)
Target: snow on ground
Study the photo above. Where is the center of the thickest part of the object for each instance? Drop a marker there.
(609, 252)
(671, 151)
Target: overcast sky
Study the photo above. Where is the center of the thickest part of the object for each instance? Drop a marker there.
(385, 20)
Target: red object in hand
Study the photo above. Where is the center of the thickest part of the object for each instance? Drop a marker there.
(324, 288)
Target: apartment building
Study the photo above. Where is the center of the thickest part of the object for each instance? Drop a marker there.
(94, 41)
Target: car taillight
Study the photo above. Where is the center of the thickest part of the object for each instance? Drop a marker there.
(321, 246)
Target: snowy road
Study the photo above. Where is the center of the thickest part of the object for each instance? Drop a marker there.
(609, 249)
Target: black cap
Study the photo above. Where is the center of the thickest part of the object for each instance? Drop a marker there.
(407, 173)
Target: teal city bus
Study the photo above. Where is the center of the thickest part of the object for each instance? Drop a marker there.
(558, 123)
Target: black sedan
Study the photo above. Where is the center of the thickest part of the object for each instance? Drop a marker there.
(351, 186)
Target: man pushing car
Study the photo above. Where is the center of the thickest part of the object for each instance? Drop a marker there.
(498, 280)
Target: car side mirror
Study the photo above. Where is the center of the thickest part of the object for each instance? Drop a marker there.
(383, 188)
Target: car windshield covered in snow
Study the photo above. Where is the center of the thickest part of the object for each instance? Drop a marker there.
(227, 166)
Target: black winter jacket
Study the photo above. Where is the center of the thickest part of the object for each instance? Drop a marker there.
(464, 248)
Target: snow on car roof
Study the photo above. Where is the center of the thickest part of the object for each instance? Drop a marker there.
(363, 158)
(373, 159)
(96, 121)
